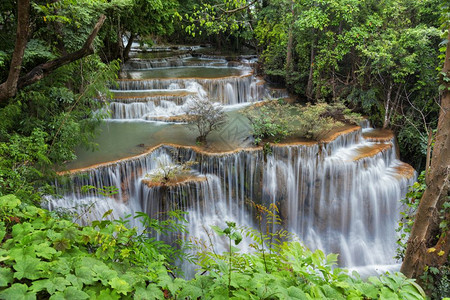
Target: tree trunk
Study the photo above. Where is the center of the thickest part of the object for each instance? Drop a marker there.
(290, 47)
(387, 107)
(429, 245)
(309, 86)
(9, 88)
(126, 52)
(42, 70)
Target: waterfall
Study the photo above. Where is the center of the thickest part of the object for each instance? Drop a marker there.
(217, 89)
(341, 196)
(148, 99)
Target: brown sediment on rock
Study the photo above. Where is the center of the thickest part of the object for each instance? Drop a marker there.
(210, 150)
(338, 131)
(154, 95)
(404, 170)
(379, 135)
(250, 73)
(295, 141)
(197, 149)
(260, 81)
(179, 180)
(370, 151)
(172, 119)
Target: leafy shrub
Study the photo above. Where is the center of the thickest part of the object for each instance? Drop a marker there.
(437, 281)
(288, 271)
(410, 204)
(276, 121)
(313, 122)
(271, 120)
(46, 257)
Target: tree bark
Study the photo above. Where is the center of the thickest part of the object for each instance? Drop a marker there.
(43, 70)
(14, 83)
(9, 88)
(126, 52)
(423, 247)
(290, 46)
(310, 84)
(387, 107)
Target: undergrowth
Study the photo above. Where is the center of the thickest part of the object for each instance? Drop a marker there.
(43, 256)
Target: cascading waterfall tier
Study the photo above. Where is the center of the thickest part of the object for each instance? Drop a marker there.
(147, 96)
(341, 195)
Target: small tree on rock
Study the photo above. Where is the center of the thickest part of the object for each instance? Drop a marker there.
(205, 116)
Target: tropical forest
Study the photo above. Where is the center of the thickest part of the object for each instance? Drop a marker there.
(224, 149)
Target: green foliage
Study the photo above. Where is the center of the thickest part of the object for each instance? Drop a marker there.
(41, 126)
(276, 121)
(291, 271)
(437, 281)
(410, 204)
(45, 257)
(271, 120)
(315, 122)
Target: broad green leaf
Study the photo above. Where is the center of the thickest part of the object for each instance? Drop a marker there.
(21, 229)
(61, 244)
(151, 292)
(28, 267)
(6, 276)
(75, 281)
(107, 294)
(44, 250)
(17, 292)
(86, 275)
(296, 293)
(387, 294)
(9, 202)
(71, 293)
(104, 273)
(120, 285)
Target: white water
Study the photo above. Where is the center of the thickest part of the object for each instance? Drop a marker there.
(152, 97)
(340, 197)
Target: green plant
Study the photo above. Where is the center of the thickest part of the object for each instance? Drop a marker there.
(315, 121)
(46, 257)
(410, 205)
(291, 271)
(167, 172)
(437, 281)
(233, 235)
(269, 121)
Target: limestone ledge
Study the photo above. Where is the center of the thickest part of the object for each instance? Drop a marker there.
(213, 151)
(379, 135)
(153, 95)
(247, 74)
(179, 180)
(369, 151)
(404, 170)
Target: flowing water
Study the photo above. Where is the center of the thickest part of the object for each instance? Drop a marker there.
(340, 196)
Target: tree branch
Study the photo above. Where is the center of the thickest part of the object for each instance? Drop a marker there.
(9, 88)
(43, 70)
